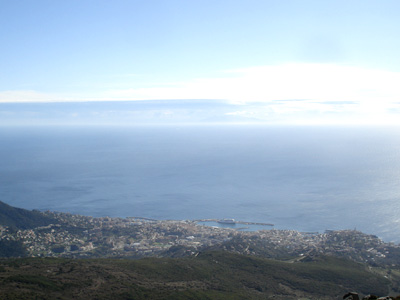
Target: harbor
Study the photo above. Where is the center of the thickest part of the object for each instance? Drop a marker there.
(231, 223)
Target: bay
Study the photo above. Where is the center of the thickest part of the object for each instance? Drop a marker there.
(302, 178)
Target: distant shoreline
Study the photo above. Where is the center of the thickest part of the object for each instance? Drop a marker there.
(236, 222)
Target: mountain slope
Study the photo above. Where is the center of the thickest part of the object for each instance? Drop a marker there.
(22, 218)
(210, 275)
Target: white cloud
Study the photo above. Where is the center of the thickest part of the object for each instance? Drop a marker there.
(26, 96)
(321, 88)
(318, 82)
(239, 113)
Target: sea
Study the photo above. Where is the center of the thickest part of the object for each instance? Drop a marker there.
(304, 178)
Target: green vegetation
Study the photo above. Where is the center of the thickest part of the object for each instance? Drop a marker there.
(22, 218)
(12, 249)
(37, 280)
(183, 260)
(210, 275)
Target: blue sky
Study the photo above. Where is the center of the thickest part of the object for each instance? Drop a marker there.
(335, 60)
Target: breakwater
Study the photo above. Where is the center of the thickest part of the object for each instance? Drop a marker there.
(235, 222)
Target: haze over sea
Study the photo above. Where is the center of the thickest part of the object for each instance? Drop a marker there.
(303, 178)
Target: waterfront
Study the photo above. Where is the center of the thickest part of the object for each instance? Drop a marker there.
(307, 179)
(80, 236)
(237, 225)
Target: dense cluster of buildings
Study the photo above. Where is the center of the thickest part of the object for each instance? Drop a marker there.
(81, 236)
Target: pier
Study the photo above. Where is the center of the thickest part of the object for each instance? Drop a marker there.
(236, 222)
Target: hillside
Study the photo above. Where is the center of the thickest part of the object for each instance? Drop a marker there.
(22, 218)
(210, 275)
(78, 257)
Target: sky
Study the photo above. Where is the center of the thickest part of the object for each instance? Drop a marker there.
(271, 61)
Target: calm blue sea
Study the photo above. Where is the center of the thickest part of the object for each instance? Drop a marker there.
(302, 178)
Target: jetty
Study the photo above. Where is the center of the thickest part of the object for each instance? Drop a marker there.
(142, 218)
(235, 222)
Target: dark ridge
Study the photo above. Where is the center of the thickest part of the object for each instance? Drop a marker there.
(22, 218)
(210, 275)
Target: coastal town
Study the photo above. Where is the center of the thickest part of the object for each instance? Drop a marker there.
(79, 236)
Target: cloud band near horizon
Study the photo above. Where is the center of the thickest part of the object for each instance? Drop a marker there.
(338, 89)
